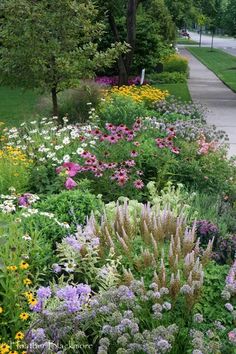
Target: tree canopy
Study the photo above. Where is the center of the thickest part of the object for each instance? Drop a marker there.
(51, 44)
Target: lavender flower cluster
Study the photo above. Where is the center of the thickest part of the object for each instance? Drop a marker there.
(122, 318)
(173, 105)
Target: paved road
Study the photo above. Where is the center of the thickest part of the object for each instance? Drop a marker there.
(206, 88)
(226, 44)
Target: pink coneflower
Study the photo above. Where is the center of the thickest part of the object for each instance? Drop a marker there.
(138, 184)
(136, 143)
(85, 154)
(98, 174)
(70, 183)
(133, 153)
(96, 132)
(130, 163)
(175, 150)
(110, 126)
(232, 336)
(130, 137)
(122, 180)
(112, 139)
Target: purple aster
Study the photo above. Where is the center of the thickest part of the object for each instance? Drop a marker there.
(73, 242)
(38, 335)
(56, 268)
(44, 292)
(69, 292)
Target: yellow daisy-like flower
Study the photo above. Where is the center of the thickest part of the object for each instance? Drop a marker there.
(27, 281)
(4, 348)
(1, 310)
(24, 316)
(33, 301)
(13, 352)
(24, 265)
(12, 268)
(19, 336)
(28, 294)
(23, 352)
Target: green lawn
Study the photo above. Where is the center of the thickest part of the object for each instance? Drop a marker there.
(178, 90)
(16, 105)
(186, 41)
(221, 63)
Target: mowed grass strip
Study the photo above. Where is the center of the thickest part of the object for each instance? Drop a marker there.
(221, 63)
(179, 90)
(186, 41)
(17, 105)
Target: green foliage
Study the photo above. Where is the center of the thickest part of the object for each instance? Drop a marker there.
(16, 247)
(74, 103)
(60, 214)
(53, 50)
(122, 110)
(176, 63)
(211, 304)
(14, 171)
(43, 179)
(72, 207)
(229, 16)
(155, 32)
(210, 172)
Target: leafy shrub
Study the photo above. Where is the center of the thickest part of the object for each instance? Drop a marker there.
(71, 207)
(74, 103)
(168, 77)
(59, 214)
(14, 169)
(176, 63)
(225, 249)
(206, 231)
(122, 110)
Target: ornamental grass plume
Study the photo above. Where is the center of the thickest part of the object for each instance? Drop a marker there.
(149, 242)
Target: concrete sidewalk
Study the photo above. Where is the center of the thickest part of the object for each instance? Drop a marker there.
(220, 101)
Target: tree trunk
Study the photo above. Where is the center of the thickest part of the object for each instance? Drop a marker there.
(54, 102)
(131, 32)
(123, 77)
(212, 38)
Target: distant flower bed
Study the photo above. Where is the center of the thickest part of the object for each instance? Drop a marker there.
(114, 80)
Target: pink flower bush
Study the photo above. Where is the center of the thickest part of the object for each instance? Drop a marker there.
(99, 164)
(205, 147)
(114, 80)
(168, 141)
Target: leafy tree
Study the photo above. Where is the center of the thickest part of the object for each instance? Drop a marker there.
(182, 11)
(229, 18)
(145, 25)
(155, 33)
(51, 44)
(125, 12)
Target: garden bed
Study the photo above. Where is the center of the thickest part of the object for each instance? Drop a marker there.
(118, 234)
